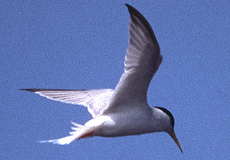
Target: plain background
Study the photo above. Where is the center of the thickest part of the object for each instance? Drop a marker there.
(81, 45)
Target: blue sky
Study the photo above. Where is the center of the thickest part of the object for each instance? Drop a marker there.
(82, 44)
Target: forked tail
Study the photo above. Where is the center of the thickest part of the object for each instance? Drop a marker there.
(79, 131)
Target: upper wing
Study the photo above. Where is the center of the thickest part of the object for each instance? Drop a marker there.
(94, 100)
(141, 62)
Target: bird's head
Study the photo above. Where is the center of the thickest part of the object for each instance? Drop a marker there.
(168, 123)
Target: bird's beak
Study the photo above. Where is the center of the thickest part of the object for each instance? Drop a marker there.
(173, 135)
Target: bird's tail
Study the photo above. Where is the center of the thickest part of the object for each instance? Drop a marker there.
(79, 131)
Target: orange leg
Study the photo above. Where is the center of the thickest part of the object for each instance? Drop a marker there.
(89, 134)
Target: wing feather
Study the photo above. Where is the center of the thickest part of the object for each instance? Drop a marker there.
(141, 63)
(95, 100)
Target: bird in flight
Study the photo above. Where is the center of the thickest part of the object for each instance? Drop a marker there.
(124, 110)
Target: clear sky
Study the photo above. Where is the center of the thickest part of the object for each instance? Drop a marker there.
(81, 45)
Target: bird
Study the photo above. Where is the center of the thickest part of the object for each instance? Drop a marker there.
(122, 111)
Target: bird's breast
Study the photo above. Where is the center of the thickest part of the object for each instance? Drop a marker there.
(125, 123)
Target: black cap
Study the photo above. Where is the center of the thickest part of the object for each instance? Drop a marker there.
(169, 114)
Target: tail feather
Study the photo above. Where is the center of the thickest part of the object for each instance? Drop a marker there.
(78, 132)
(61, 141)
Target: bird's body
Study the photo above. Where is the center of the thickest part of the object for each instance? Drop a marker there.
(123, 111)
(125, 123)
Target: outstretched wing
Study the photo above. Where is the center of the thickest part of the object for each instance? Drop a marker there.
(141, 62)
(95, 100)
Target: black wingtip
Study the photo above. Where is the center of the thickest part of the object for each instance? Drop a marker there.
(37, 90)
(132, 10)
(127, 5)
(29, 90)
(135, 13)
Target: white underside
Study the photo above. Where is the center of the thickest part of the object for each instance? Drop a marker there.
(78, 132)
